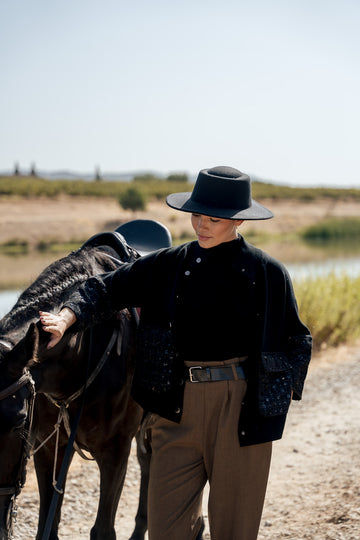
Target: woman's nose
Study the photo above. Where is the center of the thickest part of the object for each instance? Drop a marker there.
(201, 224)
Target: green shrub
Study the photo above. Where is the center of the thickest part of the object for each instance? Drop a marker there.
(132, 199)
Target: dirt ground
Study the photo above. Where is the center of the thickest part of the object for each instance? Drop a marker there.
(314, 485)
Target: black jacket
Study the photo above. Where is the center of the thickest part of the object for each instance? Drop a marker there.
(278, 343)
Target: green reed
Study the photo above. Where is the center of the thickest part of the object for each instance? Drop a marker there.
(334, 229)
(330, 307)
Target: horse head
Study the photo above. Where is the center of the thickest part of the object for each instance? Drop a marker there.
(16, 405)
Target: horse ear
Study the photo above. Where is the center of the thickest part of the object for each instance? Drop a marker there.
(25, 352)
(31, 343)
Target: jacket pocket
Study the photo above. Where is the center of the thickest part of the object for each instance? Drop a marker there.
(275, 384)
(156, 359)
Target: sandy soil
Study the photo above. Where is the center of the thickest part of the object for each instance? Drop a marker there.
(314, 486)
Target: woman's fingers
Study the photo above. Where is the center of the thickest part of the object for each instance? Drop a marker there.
(48, 318)
(57, 324)
(54, 325)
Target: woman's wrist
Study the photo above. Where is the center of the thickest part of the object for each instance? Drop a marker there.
(68, 316)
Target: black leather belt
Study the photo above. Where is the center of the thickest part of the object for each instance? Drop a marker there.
(219, 373)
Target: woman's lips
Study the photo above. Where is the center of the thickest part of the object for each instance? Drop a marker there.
(203, 238)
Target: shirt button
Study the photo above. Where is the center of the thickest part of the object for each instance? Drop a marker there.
(198, 260)
(187, 273)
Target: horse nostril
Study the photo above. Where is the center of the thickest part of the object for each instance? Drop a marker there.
(17, 429)
(18, 423)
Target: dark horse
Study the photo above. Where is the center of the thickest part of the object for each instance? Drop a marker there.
(109, 419)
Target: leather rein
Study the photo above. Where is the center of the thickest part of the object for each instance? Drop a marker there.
(14, 490)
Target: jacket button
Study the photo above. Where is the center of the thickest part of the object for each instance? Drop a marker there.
(177, 410)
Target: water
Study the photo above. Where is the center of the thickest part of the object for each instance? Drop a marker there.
(350, 266)
(7, 300)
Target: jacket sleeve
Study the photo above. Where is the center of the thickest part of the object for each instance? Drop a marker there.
(101, 296)
(299, 341)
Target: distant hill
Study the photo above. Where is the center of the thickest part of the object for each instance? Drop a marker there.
(71, 175)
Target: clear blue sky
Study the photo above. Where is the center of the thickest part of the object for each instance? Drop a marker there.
(271, 87)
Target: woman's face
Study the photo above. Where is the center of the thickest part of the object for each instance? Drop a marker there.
(212, 231)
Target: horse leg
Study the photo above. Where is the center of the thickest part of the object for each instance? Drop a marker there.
(112, 463)
(143, 451)
(44, 462)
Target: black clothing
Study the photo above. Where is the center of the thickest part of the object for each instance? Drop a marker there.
(227, 301)
(214, 305)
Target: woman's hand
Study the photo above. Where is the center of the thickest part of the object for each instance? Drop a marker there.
(57, 324)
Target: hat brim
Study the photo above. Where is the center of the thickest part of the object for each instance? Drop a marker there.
(184, 203)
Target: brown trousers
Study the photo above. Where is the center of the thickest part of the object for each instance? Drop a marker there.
(205, 447)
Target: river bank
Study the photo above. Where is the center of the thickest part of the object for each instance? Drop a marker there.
(76, 219)
(66, 217)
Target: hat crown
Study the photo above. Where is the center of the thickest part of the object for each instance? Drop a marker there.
(221, 192)
(222, 188)
(224, 172)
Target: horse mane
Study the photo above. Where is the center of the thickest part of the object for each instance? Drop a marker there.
(56, 281)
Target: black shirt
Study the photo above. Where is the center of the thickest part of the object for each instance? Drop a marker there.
(214, 314)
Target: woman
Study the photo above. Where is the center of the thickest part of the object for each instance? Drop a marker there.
(221, 353)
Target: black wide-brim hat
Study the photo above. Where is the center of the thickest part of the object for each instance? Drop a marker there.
(221, 192)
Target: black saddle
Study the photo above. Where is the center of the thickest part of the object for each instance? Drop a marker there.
(145, 235)
(113, 240)
(134, 238)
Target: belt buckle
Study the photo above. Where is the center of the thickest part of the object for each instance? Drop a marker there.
(191, 376)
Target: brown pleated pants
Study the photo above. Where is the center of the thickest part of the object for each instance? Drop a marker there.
(205, 447)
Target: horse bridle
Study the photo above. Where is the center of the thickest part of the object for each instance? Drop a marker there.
(25, 380)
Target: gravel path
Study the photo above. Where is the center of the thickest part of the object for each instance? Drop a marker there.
(314, 486)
